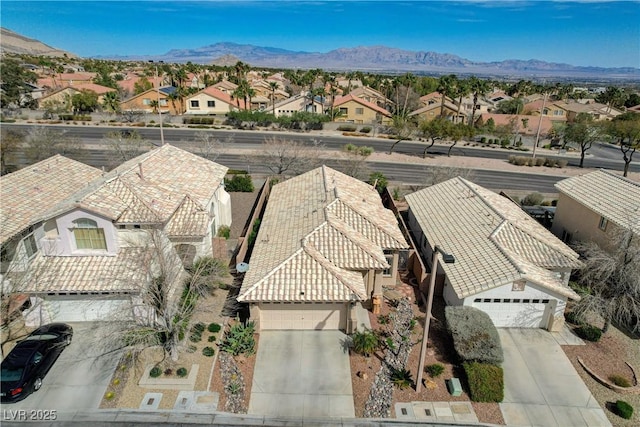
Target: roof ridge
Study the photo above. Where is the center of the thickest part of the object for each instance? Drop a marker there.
(620, 177)
(469, 184)
(310, 249)
(370, 220)
(278, 267)
(337, 224)
(133, 192)
(492, 237)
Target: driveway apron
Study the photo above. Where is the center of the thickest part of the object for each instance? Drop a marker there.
(542, 388)
(302, 374)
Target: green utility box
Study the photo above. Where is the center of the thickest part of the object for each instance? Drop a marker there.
(454, 387)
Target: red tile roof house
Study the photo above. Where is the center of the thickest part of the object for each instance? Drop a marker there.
(530, 129)
(60, 96)
(326, 247)
(83, 254)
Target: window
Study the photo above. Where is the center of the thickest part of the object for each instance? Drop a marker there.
(566, 236)
(387, 271)
(535, 301)
(146, 101)
(163, 103)
(359, 111)
(211, 104)
(507, 300)
(195, 103)
(30, 245)
(603, 223)
(558, 113)
(344, 111)
(88, 235)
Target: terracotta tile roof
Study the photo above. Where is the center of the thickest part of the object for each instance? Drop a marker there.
(607, 194)
(189, 220)
(494, 241)
(151, 188)
(436, 106)
(99, 89)
(28, 193)
(218, 94)
(315, 229)
(123, 273)
(372, 106)
(532, 122)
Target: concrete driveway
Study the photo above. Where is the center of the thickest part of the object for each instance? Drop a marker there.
(302, 374)
(541, 386)
(78, 379)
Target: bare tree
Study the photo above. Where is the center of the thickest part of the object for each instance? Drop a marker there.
(126, 145)
(439, 174)
(43, 142)
(10, 142)
(167, 299)
(611, 276)
(403, 128)
(210, 147)
(353, 161)
(286, 156)
(131, 116)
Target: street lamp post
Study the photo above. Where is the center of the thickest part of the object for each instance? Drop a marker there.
(448, 259)
(158, 91)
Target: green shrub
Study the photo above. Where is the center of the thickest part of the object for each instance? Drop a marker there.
(589, 333)
(347, 128)
(155, 372)
(239, 183)
(191, 349)
(623, 409)
(540, 161)
(224, 231)
(401, 378)
(214, 327)
(182, 372)
(551, 163)
(212, 338)
(483, 140)
(239, 339)
(365, 129)
(199, 327)
(486, 382)
(195, 337)
(619, 380)
(475, 338)
(383, 319)
(198, 120)
(533, 199)
(254, 231)
(434, 370)
(573, 318)
(380, 180)
(208, 351)
(365, 342)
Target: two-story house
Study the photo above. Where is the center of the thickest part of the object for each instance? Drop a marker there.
(154, 100)
(356, 110)
(212, 101)
(94, 256)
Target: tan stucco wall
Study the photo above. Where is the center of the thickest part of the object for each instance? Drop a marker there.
(220, 108)
(580, 221)
(368, 115)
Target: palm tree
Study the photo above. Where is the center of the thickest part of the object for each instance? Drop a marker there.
(111, 102)
(461, 90)
(445, 87)
(478, 88)
(273, 86)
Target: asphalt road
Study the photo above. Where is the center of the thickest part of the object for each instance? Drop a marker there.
(412, 174)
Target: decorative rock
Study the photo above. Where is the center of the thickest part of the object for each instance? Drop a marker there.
(233, 381)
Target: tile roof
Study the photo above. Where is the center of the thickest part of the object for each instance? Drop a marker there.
(436, 106)
(27, 193)
(371, 105)
(123, 273)
(151, 188)
(607, 194)
(213, 92)
(494, 241)
(316, 229)
(532, 122)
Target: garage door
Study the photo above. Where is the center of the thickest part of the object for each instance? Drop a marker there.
(86, 309)
(517, 314)
(303, 316)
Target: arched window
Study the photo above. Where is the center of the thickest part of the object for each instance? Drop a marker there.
(88, 235)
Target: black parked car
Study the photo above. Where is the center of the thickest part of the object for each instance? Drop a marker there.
(26, 365)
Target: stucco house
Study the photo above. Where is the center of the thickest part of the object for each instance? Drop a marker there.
(433, 110)
(91, 252)
(372, 96)
(212, 101)
(552, 110)
(594, 206)
(63, 96)
(506, 264)
(144, 101)
(325, 248)
(298, 103)
(357, 110)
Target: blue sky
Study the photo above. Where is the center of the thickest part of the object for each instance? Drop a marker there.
(585, 32)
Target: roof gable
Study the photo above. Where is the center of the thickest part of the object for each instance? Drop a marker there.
(344, 99)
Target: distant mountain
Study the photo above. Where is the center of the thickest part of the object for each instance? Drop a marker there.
(11, 42)
(382, 58)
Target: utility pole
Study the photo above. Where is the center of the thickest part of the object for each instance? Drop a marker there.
(158, 91)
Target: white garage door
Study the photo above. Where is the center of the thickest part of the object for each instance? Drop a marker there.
(86, 309)
(316, 316)
(519, 314)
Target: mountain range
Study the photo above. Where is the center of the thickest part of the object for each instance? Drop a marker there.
(379, 58)
(362, 58)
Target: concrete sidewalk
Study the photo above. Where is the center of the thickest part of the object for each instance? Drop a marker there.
(541, 386)
(302, 374)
